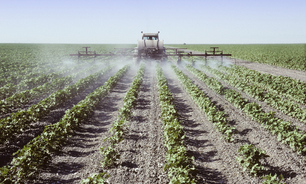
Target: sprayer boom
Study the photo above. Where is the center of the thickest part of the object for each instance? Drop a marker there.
(151, 47)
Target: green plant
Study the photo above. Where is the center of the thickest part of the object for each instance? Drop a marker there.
(96, 179)
(269, 179)
(250, 159)
(110, 156)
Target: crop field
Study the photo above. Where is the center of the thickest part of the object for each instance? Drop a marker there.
(108, 120)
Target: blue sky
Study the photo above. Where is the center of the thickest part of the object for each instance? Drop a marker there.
(119, 21)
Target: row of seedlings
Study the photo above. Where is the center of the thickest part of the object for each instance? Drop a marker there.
(285, 131)
(217, 117)
(39, 150)
(119, 129)
(179, 164)
(17, 122)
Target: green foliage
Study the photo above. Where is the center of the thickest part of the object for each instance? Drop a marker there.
(269, 179)
(110, 156)
(96, 179)
(250, 159)
(211, 82)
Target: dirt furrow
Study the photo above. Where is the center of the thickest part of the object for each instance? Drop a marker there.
(80, 157)
(214, 158)
(282, 160)
(142, 151)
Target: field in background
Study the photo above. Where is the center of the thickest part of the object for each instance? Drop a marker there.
(21, 54)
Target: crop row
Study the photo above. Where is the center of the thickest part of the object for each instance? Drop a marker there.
(179, 164)
(39, 150)
(284, 131)
(11, 65)
(250, 154)
(17, 122)
(217, 117)
(35, 80)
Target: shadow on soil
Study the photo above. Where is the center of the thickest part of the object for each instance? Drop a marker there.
(139, 118)
(54, 180)
(129, 164)
(143, 104)
(135, 137)
(277, 170)
(207, 175)
(61, 168)
(245, 131)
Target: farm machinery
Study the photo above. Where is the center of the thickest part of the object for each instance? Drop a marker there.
(151, 47)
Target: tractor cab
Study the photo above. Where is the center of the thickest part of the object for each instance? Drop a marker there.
(150, 36)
